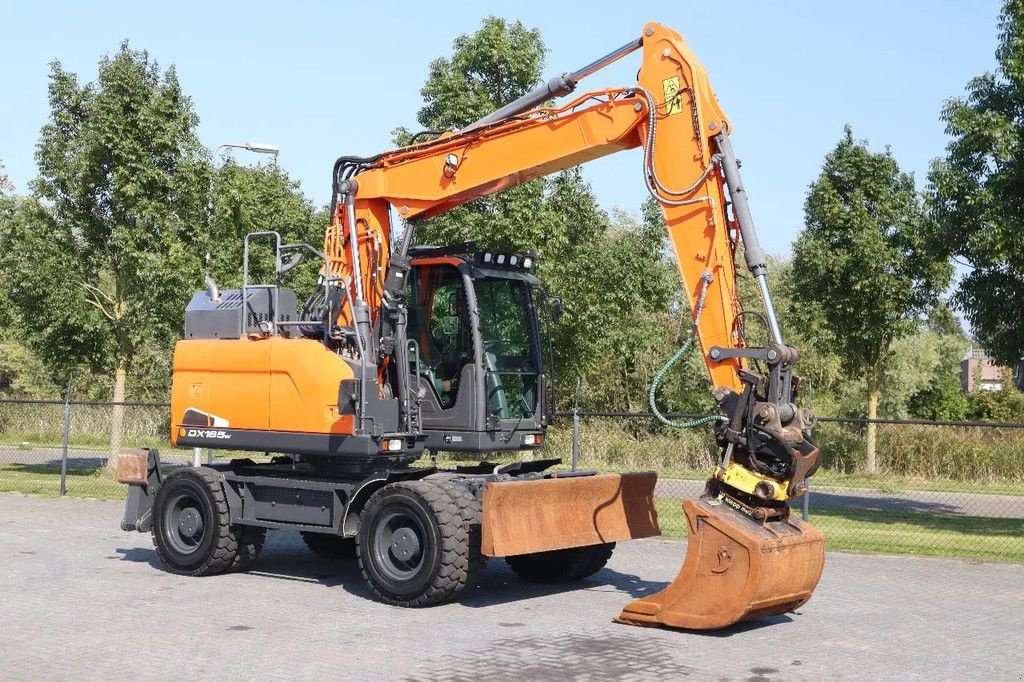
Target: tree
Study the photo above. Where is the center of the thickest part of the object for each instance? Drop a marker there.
(940, 395)
(21, 372)
(107, 255)
(639, 315)
(862, 262)
(558, 216)
(252, 199)
(5, 183)
(977, 190)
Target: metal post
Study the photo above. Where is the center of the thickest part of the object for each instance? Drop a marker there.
(576, 427)
(67, 433)
(807, 499)
(209, 456)
(353, 241)
(196, 453)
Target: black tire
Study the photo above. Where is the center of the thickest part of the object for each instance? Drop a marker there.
(412, 544)
(562, 565)
(330, 546)
(472, 513)
(192, 528)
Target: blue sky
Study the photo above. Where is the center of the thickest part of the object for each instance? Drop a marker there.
(322, 79)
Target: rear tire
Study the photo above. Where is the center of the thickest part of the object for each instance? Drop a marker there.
(330, 546)
(413, 544)
(561, 565)
(192, 528)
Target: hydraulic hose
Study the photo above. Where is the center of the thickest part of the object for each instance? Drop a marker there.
(660, 376)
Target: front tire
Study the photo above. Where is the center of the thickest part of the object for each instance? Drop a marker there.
(192, 528)
(413, 544)
(562, 565)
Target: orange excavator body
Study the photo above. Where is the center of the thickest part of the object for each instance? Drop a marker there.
(747, 556)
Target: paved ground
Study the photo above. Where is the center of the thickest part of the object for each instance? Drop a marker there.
(80, 599)
(822, 497)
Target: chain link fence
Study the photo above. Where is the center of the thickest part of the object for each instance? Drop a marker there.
(940, 488)
(55, 447)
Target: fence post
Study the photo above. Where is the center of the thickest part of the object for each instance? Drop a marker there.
(67, 434)
(196, 453)
(209, 457)
(576, 427)
(807, 499)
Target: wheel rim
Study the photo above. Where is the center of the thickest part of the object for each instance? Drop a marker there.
(398, 544)
(185, 524)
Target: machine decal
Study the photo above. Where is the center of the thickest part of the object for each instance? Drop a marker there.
(207, 433)
(673, 98)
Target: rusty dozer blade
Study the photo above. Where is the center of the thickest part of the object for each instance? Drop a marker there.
(736, 568)
(524, 517)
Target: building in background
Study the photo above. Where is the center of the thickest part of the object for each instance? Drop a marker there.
(979, 372)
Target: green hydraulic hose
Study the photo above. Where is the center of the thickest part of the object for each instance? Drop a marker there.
(660, 376)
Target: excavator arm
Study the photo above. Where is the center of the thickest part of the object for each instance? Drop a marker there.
(688, 166)
(748, 557)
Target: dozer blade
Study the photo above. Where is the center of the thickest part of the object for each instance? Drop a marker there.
(523, 517)
(736, 569)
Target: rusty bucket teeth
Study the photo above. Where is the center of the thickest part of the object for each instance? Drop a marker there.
(736, 569)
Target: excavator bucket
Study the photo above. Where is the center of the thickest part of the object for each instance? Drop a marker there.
(524, 517)
(736, 568)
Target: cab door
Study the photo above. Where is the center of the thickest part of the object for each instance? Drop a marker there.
(441, 323)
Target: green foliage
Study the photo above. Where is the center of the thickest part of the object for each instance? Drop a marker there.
(939, 394)
(121, 181)
(611, 272)
(5, 183)
(487, 70)
(977, 191)
(251, 199)
(1004, 405)
(641, 318)
(117, 232)
(863, 266)
(942, 399)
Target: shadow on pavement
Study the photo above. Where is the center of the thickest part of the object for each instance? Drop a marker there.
(880, 502)
(285, 557)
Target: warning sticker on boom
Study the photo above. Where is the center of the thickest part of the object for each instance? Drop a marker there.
(673, 98)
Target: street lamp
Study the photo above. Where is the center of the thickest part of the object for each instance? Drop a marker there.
(254, 147)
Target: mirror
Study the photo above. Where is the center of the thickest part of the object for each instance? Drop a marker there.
(292, 261)
(556, 309)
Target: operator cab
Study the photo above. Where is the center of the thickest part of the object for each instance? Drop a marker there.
(476, 363)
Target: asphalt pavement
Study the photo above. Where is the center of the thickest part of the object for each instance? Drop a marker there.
(81, 599)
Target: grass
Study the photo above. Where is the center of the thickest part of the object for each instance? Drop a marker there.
(923, 534)
(44, 479)
(916, 533)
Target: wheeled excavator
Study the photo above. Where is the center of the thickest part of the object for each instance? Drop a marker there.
(407, 349)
